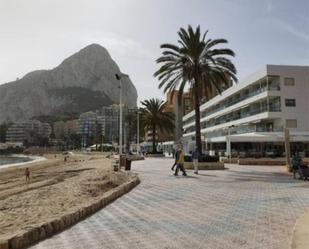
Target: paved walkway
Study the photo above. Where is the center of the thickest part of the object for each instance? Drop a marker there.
(242, 207)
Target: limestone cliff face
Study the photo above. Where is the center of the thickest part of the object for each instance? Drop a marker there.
(85, 81)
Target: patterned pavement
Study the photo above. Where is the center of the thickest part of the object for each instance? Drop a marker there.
(241, 207)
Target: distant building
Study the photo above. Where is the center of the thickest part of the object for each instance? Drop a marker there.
(110, 123)
(29, 131)
(90, 126)
(250, 117)
(110, 119)
(106, 123)
(179, 109)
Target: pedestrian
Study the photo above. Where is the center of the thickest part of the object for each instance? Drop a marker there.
(27, 174)
(180, 162)
(173, 152)
(296, 163)
(195, 157)
(175, 155)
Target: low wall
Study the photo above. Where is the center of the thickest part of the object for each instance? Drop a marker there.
(226, 160)
(135, 157)
(260, 161)
(43, 231)
(205, 165)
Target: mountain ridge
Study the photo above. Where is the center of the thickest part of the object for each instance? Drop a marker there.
(89, 72)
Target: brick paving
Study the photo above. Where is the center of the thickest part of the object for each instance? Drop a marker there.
(242, 207)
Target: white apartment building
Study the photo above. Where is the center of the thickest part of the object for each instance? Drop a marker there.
(250, 116)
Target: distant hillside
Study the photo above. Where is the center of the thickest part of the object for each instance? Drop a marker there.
(85, 81)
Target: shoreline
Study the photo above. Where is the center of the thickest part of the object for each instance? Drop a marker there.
(35, 159)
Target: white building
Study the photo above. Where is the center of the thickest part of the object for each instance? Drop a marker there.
(252, 115)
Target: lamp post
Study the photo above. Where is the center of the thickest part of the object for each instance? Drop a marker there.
(102, 143)
(287, 147)
(137, 135)
(119, 77)
(125, 137)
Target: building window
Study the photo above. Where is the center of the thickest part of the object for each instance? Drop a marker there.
(289, 81)
(290, 102)
(291, 123)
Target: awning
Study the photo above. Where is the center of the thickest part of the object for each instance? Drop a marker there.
(261, 137)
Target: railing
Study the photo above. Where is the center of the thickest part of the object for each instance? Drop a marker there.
(207, 124)
(241, 98)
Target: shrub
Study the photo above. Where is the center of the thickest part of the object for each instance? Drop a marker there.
(209, 159)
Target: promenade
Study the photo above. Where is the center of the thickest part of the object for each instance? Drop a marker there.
(241, 207)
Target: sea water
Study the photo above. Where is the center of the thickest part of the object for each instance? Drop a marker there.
(5, 160)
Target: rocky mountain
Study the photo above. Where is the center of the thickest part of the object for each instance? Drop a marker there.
(84, 81)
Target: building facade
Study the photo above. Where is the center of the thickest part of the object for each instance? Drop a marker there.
(28, 132)
(110, 117)
(90, 126)
(105, 123)
(179, 109)
(250, 117)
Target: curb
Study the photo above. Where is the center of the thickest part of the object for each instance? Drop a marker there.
(45, 230)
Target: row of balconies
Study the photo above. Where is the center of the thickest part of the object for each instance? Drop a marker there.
(255, 109)
(270, 84)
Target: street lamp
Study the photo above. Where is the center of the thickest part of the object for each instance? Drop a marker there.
(137, 135)
(119, 76)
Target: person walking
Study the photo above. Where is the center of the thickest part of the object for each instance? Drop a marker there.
(176, 159)
(180, 162)
(27, 174)
(195, 157)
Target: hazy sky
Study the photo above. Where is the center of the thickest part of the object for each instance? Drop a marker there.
(39, 34)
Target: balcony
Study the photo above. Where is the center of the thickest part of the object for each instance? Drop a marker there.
(256, 108)
(269, 83)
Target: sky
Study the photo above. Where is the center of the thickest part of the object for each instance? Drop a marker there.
(39, 34)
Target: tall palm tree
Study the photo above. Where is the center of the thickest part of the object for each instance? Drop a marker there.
(155, 117)
(196, 63)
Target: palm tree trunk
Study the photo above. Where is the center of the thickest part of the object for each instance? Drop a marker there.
(198, 140)
(154, 149)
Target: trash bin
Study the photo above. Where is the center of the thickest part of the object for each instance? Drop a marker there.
(128, 164)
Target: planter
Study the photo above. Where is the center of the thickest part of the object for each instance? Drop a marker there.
(205, 165)
(155, 155)
(135, 157)
(261, 162)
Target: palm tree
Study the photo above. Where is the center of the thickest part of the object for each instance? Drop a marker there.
(197, 64)
(154, 116)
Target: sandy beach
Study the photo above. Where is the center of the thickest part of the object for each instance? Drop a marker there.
(55, 187)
